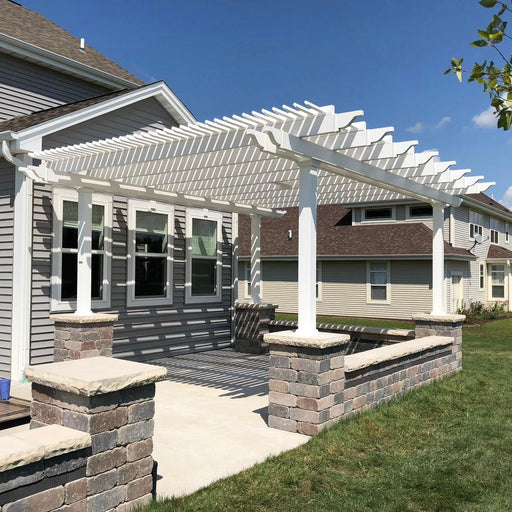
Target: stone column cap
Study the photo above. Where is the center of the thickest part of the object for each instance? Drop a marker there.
(22, 448)
(95, 318)
(94, 375)
(317, 340)
(427, 317)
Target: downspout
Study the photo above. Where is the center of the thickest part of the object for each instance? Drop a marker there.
(22, 260)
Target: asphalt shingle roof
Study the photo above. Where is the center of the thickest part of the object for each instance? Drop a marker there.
(31, 27)
(488, 201)
(336, 239)
(495, 251)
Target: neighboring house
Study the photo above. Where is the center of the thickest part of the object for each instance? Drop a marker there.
(376, 260)
(54, 92)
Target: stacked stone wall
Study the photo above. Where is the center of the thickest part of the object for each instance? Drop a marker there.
(252, 322)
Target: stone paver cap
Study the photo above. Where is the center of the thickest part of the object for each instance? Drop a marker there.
(95, 375)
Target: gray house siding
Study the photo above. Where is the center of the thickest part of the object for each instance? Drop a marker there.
(141, 333)
(6, 262)
(26, 87)
(142, 116)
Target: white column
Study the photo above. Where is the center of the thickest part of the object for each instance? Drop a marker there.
(255, 259)
(307, 249)
(83, 292)
(438, 302)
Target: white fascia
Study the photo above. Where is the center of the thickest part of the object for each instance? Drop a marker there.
(53, 60)
(159, 91)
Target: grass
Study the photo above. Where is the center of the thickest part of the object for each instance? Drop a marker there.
(444, 447)
(345, 320)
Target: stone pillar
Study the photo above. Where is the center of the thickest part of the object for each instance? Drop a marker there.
(307, 380)
(442, 325)
(113, 401)
(251, 324)
(81, 336)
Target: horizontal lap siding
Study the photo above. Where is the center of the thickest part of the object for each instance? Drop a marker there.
(141, 333)
(26, 87)
(344, 288)
(6, 260)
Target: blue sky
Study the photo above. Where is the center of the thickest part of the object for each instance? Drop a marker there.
(386, 57)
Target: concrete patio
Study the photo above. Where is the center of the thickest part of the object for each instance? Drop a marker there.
(210, 419)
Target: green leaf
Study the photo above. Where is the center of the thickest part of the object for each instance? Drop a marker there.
(483, 34)
(479, 43)
(488, 3)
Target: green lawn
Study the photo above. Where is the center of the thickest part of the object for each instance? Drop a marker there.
(445, 447)
(345, 320)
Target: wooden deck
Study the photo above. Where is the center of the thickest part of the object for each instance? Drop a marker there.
(14, 411)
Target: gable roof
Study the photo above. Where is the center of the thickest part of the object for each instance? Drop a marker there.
(28, 120)
(335, 239)
(488, 201)
(497, 252)
(23, 25)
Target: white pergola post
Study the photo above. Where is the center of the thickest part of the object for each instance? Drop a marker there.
(84, 276)
(256, 259)
(438, 302)
(308, 175)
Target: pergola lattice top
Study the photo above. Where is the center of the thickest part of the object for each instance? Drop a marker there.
(254, 159)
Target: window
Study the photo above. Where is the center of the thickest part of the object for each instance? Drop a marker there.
(204, 253)
(378, 282)
(248, 279)
(65, 250)
(421, 211)
(150, 251)
(378, 214)
(498, 281)
(507, 229)
(482, 277)
(495, 227)
(319, 280)
(476, 221)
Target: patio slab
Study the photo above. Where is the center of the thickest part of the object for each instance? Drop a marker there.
(210, 420)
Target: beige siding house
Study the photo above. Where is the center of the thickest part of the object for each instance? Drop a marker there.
(376, 260)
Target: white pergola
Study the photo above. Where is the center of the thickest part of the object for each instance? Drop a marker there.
(260, 164)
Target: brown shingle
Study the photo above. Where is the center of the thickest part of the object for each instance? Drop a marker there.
(33, 28)
(336, 239)
(495, 251)
(488, 201)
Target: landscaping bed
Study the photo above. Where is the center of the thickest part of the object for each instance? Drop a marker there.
(445, 447)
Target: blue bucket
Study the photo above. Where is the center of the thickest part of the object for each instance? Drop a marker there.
(5, 389)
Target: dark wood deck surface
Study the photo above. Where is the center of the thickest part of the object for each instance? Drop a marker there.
(13, 410)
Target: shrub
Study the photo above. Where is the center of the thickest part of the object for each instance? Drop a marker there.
(478, 312)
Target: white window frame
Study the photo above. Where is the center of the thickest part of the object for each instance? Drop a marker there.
(491, 285)
(138, 205)
(196, 213)
(495, 230)
(247, 280)
(410, 217)
(319, 280)
(369, 299)
(477, 221)
(481, 276)
(369, 221)
(67, 194)
(507, 232)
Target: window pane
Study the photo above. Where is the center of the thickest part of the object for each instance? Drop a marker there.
(98, 224)
(204, 237)
(70, 224)
(151, 232)
(381, 266)
(378, 277)
(150, 277)
(204, 277)
(420, 211)
(97, 277)
(378, 293)
(498, 292)
(378, 213)
(69, 274)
